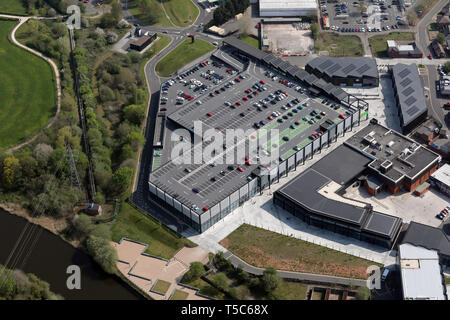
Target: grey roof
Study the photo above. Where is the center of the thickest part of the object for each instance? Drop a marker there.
(345, 67)
(421, 274)
(442, 174)
(409, 91)
(250, 50)
(303, 190)
(435, 238)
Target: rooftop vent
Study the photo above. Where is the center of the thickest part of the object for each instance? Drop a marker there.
(390, 144)
(385, 166)
(368, 138)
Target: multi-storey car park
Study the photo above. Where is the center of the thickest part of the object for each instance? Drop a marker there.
(253, 90)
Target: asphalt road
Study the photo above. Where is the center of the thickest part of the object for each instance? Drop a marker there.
(435, 107)
(421, 28)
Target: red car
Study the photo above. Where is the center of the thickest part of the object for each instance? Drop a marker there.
(248, 163)
(430, 56)
(205, 208)
(246, 158)
(248, 91)
(245, 98)
(262, 82)
(342, 116)
(297, 122)
(209, 114)
(270, 117)
(238, 103)
(257, 26)
(85, 1)
(240, 168)
(237, 80)
(163, 109)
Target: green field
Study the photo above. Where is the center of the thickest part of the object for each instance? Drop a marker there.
(179, 295)
(250, 40)
(378, 43)
(182, 55)
(13, 7)
(27, 91)
(339, 45)
(161, 286)
(264, 248)
(134, 225)
(180, 13)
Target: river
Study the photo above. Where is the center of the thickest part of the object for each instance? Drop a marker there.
(47, 256)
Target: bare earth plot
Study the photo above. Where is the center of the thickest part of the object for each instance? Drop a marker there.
(285, 39)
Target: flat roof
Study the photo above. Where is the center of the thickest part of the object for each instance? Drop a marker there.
(421, 274)
(346, 67)
(443, 174)
(341, 166)
(394, 155)
(248, 49)
(435, 238)
(287, 4)
(409, 88)
(141, 40)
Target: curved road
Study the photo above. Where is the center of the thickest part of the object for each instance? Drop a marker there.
(22, 20)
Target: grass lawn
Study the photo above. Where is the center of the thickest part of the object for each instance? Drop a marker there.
(206, 289)
(27, 91)
(181, 13)
(179, 295)
(447, 280)
(133, 224)
(250, 40)
(264, 248)
(182, 55)
(13, 7)
(161, 286)
(378, 43)
(339, 45)
(288, 290)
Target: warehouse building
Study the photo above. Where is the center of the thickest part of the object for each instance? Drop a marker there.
(421, 273)
(440, 179)
(354, 72)
(287, 8)
(315, 197)
(409, 96)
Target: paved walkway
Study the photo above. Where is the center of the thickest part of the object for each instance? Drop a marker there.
(145, 270)
(22, 20)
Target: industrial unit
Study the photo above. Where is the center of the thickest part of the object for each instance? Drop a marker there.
(287, 8)
(421, 273)
(354, 72)
(409, 95)
(440, 179)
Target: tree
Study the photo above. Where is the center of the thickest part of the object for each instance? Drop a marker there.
(11, 167)
(363, 293)
(7, 283)
(121, 179)
(42, 152)
(220, 280)
(103, 253)
(82, 225)
(134, 114)
(315, 30)
(441, 38)
(106, 94)
(447, 67)
(116, 11)
(270, 279)
(135, 140)
(196, 269)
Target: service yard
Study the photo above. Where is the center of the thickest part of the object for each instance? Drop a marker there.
(287, 39)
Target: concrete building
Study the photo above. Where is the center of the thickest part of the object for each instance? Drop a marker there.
(354, 72)
(421, 273)
(315, 196)
(441, 179)
(397, 161)
(141, 43)
(398, 50)
(287, 8)
(409, 95)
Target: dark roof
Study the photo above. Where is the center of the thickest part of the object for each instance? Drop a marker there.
(303, 190)
(428, 237)
(142, 40)
(248, 49)
(381, 223)
(342, 165)
(409, 91)
(345, 67)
